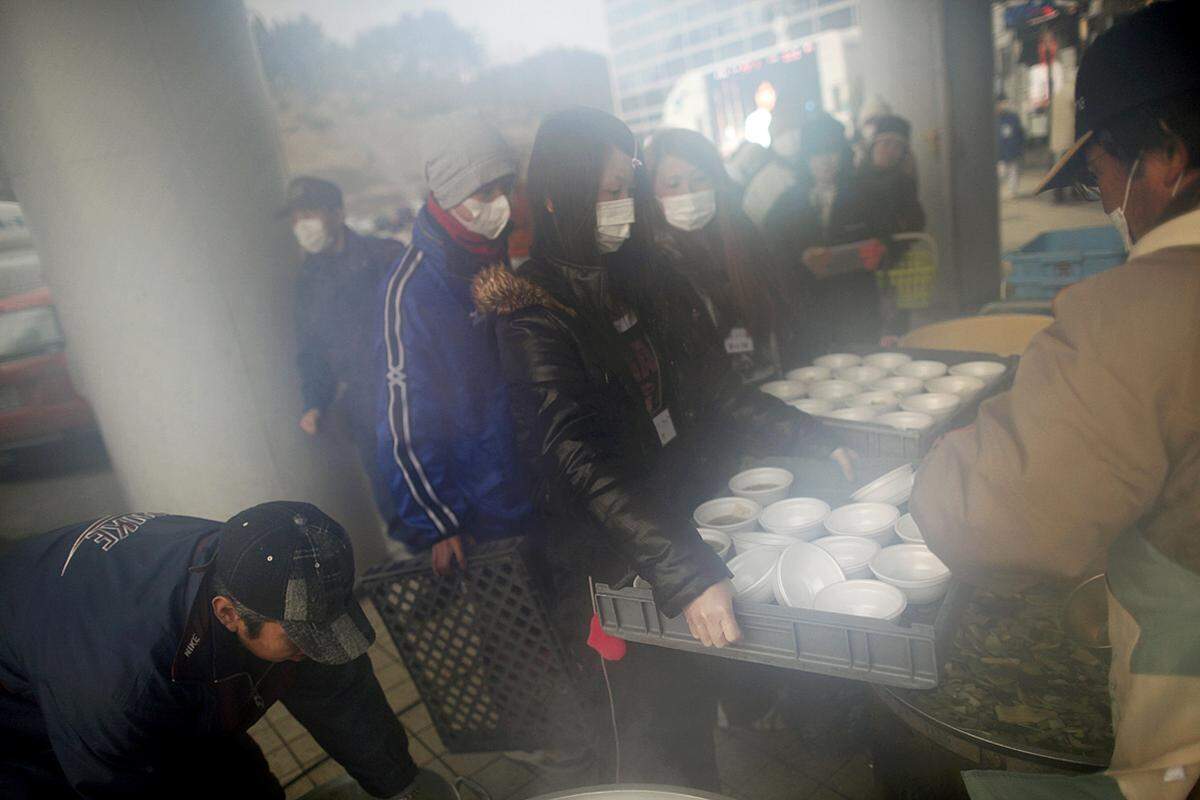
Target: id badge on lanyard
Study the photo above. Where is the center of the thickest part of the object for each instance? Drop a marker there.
(664, 426)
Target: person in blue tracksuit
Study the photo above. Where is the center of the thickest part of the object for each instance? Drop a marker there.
(446, 445)
(136, 649)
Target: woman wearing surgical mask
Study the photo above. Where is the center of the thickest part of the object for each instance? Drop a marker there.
(702, 233)
(626, 408)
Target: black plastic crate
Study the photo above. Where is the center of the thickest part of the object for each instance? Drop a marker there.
(481, 650)
(907, 653)
(876, 441)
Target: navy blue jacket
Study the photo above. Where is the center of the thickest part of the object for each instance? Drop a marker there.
(447, 452)
(336, 298)
(1010, 136)
(108, 629)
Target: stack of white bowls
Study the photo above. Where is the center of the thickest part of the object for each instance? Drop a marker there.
(914, 570)
(885, 388)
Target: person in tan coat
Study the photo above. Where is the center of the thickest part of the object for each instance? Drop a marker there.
(1092, 461)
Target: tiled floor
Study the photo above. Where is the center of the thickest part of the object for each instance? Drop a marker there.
(819, 755)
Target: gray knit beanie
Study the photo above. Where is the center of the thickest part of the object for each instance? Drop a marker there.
(462, 154)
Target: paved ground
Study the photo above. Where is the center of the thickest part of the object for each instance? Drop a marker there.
(1026, 216)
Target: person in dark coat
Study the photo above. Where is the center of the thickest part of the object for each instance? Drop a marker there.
(626, 410)
(137, 649)
(336, 295)
(828, 208)
(1010, 146)
(888, 177)
(701, 232)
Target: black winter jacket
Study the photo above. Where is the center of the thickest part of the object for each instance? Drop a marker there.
(615, 497)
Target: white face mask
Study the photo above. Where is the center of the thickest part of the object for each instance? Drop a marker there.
(787, 145)
(1117, 215)
(614, 222)
(488, 219)
(690, 212)
(311, 234)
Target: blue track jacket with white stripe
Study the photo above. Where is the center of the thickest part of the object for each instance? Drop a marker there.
(447, 453)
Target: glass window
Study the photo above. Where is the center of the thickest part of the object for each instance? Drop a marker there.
(837, 20)
(761, 40)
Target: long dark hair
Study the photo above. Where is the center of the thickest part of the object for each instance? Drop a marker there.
(752, 279)
(568, 158)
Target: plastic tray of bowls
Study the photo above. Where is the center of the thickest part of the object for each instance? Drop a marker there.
(872, 438)
(907, 652)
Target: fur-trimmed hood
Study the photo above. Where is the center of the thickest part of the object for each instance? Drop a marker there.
(499, 290)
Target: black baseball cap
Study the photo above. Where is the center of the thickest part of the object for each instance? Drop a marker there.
(1150, 55)
(306, 193)
(291, 563)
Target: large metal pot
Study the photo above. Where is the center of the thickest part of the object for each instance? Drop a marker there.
(631, 792)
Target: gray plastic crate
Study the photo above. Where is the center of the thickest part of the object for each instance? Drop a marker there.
(907, 653)
(872, 440)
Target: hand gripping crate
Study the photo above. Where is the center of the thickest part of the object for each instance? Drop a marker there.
(907, 653)
(480, 649)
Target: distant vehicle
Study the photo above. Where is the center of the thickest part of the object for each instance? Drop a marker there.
(731, 102)
(38, 401)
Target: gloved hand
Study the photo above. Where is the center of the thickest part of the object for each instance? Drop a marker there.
(710, 616)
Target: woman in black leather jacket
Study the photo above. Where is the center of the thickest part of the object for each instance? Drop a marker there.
(626, 407)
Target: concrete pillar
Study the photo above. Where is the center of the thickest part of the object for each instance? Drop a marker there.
(140, 140)
(932, 61)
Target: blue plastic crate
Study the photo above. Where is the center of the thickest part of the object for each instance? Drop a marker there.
(1057, 259)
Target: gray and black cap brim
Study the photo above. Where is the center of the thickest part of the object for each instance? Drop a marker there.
(339, 641)
(1067, 169)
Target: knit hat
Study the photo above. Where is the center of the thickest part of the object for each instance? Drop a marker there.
(822, 133)
(463, 153)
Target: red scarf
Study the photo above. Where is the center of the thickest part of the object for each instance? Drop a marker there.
(470, 241)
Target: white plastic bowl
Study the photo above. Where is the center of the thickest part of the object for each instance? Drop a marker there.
(809, 374)
(836, 392)
(745, 541)
(786, 391)
(937, 406)
(852, 553)
(836, 361)
(862, 598)
(763, 485)
(753, 574)
(907, 530)
(984, 370)
(899, 385)
(906, 420)
(914, 570)
(879, 402)
(893, 488)
(860, 414)
(889, 362)
(719, 541)
(811, 405)
(719, 514)
(869, 520)
(922, 370)
(862, 375)
(797, 516)
(802, 572)
(962, 385)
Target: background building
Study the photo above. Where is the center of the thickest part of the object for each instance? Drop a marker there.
(654, 43)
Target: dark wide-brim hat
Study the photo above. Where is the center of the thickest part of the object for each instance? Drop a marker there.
(1146, 57)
